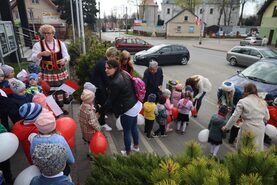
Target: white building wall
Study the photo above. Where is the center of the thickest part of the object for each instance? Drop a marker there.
(173, 10)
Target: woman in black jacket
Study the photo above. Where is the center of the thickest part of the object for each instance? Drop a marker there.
(124, 103)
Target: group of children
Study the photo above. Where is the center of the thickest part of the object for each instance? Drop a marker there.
(162, 111)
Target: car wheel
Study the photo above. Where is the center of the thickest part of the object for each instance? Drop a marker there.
(233, 61)
(184, 61)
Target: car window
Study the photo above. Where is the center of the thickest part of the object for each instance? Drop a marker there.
(244, 51)
(177, 48)
(131, 41)
(254, 52)
(248, 39)
(258, 38)
(269, 53)
(236, 50)
(266, 71)
(139, 41)
(120, 41)
(165, 49)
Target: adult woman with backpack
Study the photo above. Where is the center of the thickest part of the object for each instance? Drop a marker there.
(124, 102)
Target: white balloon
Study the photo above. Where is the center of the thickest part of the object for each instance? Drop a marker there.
(9, 144)
(203, 135)
(25, 177)
(270, 130)
(141, 120)
(118, 124)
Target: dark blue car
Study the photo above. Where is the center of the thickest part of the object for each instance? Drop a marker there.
(262, 73)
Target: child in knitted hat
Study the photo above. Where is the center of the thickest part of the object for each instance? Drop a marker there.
(34, 68)
(46, 125)
(168, 105)
(216, 134)
(18, 98)
(149, 108)
(40, 98)
(23, 128)
(22, 76)
(87, 116)
(176, 94)
(3, 83)
(34, 88)
(184, 106)
(51, 161)
(8, 71)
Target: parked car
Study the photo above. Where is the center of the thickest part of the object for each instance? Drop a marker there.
(131, 44)
(247, 55)
(262, 73)
(163, 54)
(253, 41)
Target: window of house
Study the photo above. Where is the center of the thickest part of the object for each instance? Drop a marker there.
(178, 29)
(186, 18)
(168, 11)
(275, 12)
(191, 29)
(201, 10)
(35, 1)
(211, 11)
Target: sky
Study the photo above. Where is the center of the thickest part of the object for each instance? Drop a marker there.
(118, 7)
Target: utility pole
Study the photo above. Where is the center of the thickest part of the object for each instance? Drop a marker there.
(32, 18)
(202, 24)
(99, 22)
(82, 26)
(78, 18)
(126, 21)
(72, 19)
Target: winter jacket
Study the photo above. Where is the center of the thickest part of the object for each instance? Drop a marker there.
(253, 111)
(273, 115)
(22, 131)
(121, 94)
(168, 106)
(184, 106)
(88, 121)
(149, 110)
(15, 103)
(215, 125)
(161, 114)
(42, 180)
(175, 97)
(153, 81)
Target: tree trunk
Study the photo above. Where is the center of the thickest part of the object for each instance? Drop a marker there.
(241, 14)
(230, 12)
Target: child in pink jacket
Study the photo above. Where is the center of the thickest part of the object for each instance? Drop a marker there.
(168, 105)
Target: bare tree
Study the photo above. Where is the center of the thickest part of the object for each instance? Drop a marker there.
(189, 4)
(242, 2)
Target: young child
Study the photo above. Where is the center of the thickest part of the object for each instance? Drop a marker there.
(149, 108)
(272, 109)
(34, 68)
(216, 135)
(176, 94)
(3, 83)
(87, 116)
(40, 98)
(184, 107)
(90, 86)
(161, 116)
(168, 106)
(51, 160)
(22, 76)
(8, 71)
(46, 125)
(23, 128)
(34, 88)
(17, 98)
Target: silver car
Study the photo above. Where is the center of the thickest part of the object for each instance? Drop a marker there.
(247, 55)
(252, 41)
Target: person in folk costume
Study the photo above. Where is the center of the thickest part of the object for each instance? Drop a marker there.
(52, 56)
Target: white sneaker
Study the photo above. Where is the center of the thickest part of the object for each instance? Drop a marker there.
(106, 128)
(123, 152)
(134, 149)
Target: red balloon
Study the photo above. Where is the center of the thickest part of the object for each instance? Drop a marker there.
(66, 126)
(71, 142)
(174, 112)
(141, 111)
(98, 143)
(168, 119)
(193, 111)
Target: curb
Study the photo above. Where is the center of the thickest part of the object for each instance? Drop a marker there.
(214, 49)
